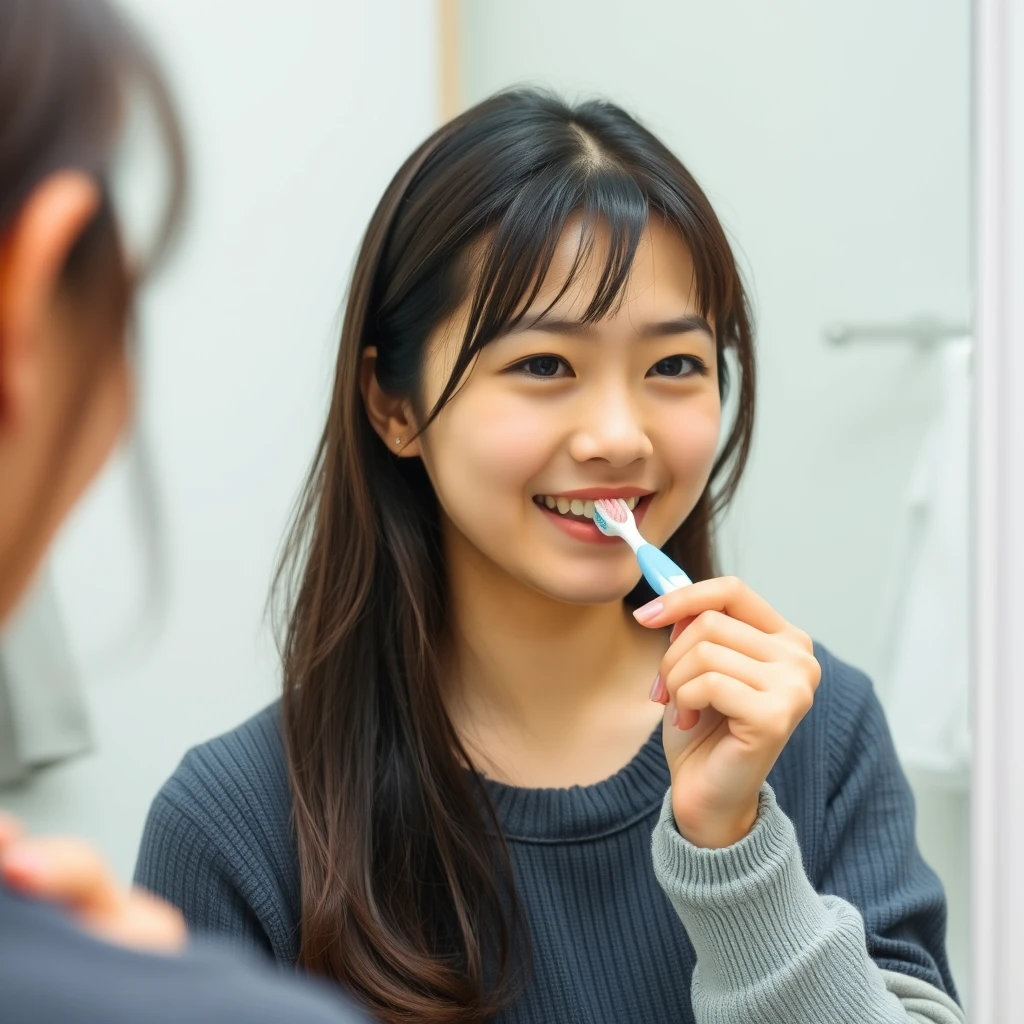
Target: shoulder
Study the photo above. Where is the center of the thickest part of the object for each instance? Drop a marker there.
(849, 718)
(841, 738)
(846, 714)
(842, 685)
(236, 786)
(218, 840)
(243, 769)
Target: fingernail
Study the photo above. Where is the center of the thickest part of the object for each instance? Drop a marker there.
(658, 689)
(675, 718)
(645, 613)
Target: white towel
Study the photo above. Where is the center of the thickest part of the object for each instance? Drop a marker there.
(925, 678)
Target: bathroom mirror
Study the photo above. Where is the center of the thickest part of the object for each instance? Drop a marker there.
(866, 163)
(835, 143)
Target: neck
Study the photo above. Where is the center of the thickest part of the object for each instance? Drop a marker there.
(525, 664)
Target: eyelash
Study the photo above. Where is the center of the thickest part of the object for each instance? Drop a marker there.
(697, 367)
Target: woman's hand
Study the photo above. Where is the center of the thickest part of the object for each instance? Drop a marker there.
(71, 873)
(737, 679)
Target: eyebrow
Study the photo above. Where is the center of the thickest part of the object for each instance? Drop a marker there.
(659, 329)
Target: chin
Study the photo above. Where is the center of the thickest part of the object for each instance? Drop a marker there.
(605, 590)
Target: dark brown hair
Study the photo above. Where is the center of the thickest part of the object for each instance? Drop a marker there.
(68, 69)
(407, 898)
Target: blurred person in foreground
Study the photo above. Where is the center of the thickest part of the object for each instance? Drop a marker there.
(69, 69)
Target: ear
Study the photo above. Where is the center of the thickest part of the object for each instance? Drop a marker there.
(33, 251)
(391, 417)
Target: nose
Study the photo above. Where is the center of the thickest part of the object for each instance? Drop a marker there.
(611, 430)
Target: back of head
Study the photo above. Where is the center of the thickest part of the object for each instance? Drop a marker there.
(70, 71)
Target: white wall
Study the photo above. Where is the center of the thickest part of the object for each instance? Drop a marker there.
(297, 114)
(834, 141)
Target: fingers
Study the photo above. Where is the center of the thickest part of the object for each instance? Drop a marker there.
(61, 870)
(716, 627)
(71, 873)
(773, 713)
(764, 718)
(773, 695)
(685, 719)
(145, 922)
(726, 594)
(726, 695)
(707, 656)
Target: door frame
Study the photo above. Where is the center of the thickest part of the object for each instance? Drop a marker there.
(997, 794)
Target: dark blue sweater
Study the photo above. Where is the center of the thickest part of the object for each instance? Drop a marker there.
(219, 844)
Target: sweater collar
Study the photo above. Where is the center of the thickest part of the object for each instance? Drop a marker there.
(581, 813)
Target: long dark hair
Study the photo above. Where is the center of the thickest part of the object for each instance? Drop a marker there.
(407, 897)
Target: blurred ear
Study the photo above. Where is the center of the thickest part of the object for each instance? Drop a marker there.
(391, 417)
(33, 251)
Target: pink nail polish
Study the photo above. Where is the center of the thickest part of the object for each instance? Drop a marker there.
(675, 718)
(658, 689)
(646, 612)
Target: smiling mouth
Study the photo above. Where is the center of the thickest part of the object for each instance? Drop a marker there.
(580, 510)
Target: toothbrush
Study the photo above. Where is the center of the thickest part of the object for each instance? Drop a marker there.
(612, 516)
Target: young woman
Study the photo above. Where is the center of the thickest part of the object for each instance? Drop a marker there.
(67, 68)
(451, 810)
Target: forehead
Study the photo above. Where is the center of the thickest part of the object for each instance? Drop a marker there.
(661, 279)
(661, 285)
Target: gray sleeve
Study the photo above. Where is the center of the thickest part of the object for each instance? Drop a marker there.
(768, 946)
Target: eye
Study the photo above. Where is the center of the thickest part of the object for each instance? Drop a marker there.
(678, 366)
(543, 367)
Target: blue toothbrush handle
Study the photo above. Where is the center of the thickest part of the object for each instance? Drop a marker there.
(659, 570)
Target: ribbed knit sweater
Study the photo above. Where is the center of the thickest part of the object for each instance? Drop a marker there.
(824, 912)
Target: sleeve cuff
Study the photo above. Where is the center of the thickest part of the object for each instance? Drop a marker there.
(740, 902)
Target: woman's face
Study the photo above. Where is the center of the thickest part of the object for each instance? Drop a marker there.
(560, 413)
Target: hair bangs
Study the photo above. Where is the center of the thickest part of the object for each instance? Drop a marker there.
(517, 259)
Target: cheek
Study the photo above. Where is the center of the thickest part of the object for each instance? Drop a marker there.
(488, 443)
(691, 443)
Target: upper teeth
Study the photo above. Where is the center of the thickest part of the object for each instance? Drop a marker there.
(576, 506)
